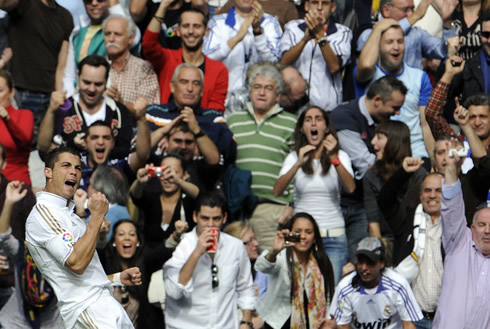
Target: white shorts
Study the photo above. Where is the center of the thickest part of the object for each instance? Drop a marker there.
(105, 313)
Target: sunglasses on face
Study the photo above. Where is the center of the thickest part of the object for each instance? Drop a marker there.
(485, 34)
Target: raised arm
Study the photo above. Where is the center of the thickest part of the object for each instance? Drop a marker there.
(138, 9)
(283, 182)
(370, 52)
(143, 141)
(84, 248)
(435, 106)
(15, 192)
(46, 129)
(461, 116)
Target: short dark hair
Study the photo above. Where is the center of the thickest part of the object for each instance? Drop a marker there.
(54, 155)
(384, 87)
(180, 126)
(478, 99)
(100, 123)
(197, 11)
(96, 61)
(213, 199)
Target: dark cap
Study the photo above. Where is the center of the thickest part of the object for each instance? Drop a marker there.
(372, 248)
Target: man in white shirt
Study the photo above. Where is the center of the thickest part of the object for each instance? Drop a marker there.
(204, 289)
(374, 296)
(63, 248)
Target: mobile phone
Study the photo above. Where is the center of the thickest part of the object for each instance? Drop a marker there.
(455, 64)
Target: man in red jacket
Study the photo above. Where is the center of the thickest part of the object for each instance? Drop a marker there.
(191, 29)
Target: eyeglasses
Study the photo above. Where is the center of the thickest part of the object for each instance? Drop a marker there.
(404, 9)
(90, 1)
(485, 34)
(214, 273)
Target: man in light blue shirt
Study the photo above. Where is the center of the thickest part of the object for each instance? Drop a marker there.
(418, 42)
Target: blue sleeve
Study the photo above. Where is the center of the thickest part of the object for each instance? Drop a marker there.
(425, 90)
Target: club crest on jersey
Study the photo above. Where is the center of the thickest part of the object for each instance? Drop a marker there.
(388, 311)
(68, 238)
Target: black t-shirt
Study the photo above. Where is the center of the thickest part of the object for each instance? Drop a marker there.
(468, 35)
(36, 33)
(168, 37)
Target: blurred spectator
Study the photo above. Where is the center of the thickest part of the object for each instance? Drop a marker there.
(283, 10)
(301, 281)
(192, 26)
(209, 287)
(126, 249)
(208, 126)
(264, 134)
(33, 304)
(176, 137)
(418, 42)
(17, 127)
(319, 48)
(476, 75)
(129, 76)
(295, 97)
(18, 218)
(319, 169)
(242, 37)
(391, 143)
(383, 55)
(111, 182)
(70, 119)
(467, 23)
(88, 38)
(165, 198)
(38, 35)
(355, 122)
(143, 12)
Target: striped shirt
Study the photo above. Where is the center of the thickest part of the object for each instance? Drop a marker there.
(385, 306)
(52, 229)
(263, 147)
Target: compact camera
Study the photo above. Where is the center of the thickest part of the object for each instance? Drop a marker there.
(156, 171)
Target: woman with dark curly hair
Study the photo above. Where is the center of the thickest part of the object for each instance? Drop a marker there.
(301, 283)
(318, 169)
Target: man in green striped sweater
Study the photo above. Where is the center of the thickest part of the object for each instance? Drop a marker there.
(264, 135)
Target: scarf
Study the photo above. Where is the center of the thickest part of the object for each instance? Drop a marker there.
(317, 303)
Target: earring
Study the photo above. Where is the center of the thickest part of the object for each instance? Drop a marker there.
(316, 247)
(137, 245)
(114, 245)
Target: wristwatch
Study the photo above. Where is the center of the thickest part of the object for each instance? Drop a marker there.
(248, 323)
(322, 41)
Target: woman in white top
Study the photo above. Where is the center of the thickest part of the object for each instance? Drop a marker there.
(301, 282)
(318, 169)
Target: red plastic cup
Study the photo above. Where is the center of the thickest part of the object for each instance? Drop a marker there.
(212, 249)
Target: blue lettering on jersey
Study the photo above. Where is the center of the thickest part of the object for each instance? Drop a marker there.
(380, 324)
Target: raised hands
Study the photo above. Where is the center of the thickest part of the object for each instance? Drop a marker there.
(411, 165)
(461, 115)
(131, 276)
(15, 192)
(258, 14)
(98, 205)
(139, 108)
(57, 99)
(305, 152)
(330, 145)
(314, 21)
